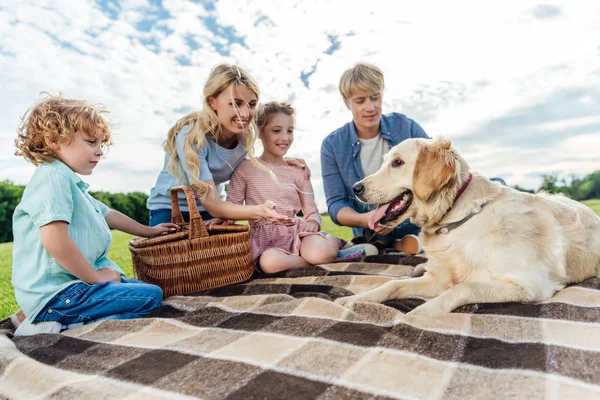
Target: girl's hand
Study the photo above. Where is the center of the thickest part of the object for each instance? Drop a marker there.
(267, 212)
(309, 226)
(165, 227)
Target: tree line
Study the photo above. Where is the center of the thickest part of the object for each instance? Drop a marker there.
(131, 204)
(134, 204)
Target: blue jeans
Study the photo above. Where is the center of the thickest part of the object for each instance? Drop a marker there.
(82, 303)
(164, 215)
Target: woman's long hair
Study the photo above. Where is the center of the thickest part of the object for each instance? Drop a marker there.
(206, 123)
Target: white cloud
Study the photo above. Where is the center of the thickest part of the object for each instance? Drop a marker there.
(455, 72)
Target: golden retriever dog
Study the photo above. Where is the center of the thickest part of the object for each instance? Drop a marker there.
(485, 243)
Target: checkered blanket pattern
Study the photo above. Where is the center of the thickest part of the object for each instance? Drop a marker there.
(282, 337)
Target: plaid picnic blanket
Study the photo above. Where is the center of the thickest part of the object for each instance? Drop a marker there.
(281, 337)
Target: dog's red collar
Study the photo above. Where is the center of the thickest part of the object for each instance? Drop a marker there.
(447, 228)
(463, 188)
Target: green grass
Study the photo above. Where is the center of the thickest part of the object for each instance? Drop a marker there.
(7, 294)
(119, 253)
(594, 204)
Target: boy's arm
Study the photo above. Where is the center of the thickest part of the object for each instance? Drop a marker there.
(121, 222)
(338, 206)
(55, 239)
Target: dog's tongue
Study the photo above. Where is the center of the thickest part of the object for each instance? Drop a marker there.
(377, 215)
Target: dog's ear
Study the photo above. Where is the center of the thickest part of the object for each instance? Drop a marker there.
(434, 168)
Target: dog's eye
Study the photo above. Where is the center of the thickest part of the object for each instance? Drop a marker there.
(397, 162)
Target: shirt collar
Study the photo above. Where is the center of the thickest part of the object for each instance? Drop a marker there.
(68, 173)
(384, 131)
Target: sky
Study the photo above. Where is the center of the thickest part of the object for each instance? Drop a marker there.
(514, 84)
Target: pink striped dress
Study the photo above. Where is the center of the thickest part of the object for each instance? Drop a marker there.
(293, 192)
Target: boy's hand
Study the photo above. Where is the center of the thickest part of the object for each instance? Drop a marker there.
(108, 275)
(380, 230)
(165, 227)
(309, 226)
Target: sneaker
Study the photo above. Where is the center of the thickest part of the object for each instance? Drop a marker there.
(409, 244)
(358, 251)
(18, 317)
(26, 328)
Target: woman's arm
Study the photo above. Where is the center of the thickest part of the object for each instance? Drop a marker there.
(228, 210)
(56, 241)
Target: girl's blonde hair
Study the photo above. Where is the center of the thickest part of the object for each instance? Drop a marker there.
(206, 123)
(265, 110)
(362, 76)
(53, 121)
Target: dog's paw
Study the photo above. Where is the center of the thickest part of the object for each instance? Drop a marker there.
(419, 270)
(427, 309)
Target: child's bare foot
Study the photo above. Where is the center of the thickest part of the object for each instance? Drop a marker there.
(409, 244)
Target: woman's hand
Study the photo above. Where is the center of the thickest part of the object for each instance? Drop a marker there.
(267, 212)
(309, 226)
(165, 227)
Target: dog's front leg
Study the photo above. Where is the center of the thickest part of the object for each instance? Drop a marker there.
(425, 286)
(472, 292)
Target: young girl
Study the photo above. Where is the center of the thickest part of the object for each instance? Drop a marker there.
(60, 271)
(203, 148)
(276, 247)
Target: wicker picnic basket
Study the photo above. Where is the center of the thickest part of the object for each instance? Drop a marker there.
(194, 258)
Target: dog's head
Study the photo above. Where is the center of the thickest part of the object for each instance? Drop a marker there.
(413, 174)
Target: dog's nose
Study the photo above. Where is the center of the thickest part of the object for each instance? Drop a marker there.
(358, 188)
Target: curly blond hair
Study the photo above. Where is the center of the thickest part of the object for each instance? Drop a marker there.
(53, 121)
(265, 110)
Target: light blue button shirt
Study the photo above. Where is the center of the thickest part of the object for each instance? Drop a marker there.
(55, 193)
(216, 163)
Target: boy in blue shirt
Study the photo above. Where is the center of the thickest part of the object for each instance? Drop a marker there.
(356, 150)
(61, 274)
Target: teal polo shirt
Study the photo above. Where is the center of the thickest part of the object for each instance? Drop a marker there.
(55, 193)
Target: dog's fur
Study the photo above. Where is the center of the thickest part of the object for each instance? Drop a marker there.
(517, 247)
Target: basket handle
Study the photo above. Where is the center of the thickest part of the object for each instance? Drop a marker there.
(197, 226)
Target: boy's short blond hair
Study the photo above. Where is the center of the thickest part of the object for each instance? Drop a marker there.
(54, 121)
(362, 76)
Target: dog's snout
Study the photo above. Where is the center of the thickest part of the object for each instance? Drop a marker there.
(358, 188)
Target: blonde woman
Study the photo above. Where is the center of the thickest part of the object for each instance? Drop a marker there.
(203, 148)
